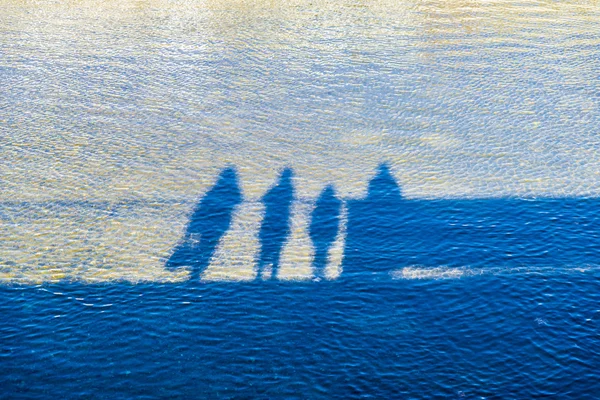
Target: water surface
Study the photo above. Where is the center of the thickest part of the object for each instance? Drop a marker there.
(300, 199)
(118, 117)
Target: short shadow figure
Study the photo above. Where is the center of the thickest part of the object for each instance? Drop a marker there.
(276, 224)
(208, 223)
(324, 227)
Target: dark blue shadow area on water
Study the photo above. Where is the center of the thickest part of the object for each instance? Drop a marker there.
(208, 223)
(377, 223)
(324, 227)
(387, 232)
(506, 336)
(275, 225)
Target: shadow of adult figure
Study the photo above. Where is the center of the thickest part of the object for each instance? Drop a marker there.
(209, 222)
(276, 224)
(387, 232)
(372, 226)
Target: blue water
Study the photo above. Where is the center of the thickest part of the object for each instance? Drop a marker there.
(177, 176)
(521, 320)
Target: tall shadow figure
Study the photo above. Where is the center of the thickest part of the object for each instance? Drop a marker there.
(276, 224)
(372, 226)
(387, 232)
(324, 227)
(208, 223)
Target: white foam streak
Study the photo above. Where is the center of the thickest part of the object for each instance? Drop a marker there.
(418, 272)
(443, 272)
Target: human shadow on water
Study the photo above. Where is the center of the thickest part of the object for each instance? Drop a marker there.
(376, 226)
(209, 221)
(324, 227)
(275, 226)
(386, 232)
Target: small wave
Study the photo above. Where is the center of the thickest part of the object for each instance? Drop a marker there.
(419, 272)
(443, 272)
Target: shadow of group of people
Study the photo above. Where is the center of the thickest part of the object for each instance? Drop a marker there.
(386, 231)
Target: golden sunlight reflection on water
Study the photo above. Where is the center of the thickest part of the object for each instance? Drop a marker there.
(117, 117)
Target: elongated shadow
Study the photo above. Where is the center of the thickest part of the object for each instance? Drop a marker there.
(275, 227)
(370, 225)
(381, 228)
(208, 223)
(387, 232)
(324, 227)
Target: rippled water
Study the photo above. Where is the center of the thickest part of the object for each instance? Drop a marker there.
(117, 117)
(299, 199)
